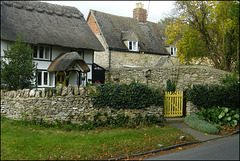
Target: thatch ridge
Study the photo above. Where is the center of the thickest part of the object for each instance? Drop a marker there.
(70, 12)
(112, 27)
(45, 23)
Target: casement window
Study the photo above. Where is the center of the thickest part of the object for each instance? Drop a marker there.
(41, 52)
(133, 45)
(173, 51)
(45, 79)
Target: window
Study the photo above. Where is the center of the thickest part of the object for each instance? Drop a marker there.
(130, 45)
(45, 79)
(133, 45)
(35, 49)
(41, 52)
(173, 51)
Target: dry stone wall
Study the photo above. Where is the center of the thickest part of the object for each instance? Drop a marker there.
(157, 77)
(65, 103)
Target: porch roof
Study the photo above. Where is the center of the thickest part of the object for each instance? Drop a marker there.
(66, 60)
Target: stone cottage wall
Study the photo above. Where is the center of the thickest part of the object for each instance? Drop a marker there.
(119, 59)
(157, 77)
(65, 103)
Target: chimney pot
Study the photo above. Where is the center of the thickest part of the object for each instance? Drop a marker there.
(139, 5)
(140, 13)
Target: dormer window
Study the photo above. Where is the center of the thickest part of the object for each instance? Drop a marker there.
(133, 45)
(130, 39)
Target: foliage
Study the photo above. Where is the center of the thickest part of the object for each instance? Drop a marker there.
(123, 96)
(207, 29)
(171, 87)
(224, 95)
(230, 80)
(195, 122)
(17, 66)
(220, 116)
(167, 20)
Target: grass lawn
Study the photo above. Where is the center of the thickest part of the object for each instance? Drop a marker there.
(31, 142)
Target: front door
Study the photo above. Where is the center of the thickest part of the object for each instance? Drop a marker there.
(61, 78)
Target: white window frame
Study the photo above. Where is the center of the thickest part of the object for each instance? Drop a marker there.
(42, 83)
(173, 51)
(133, 45)
(36, 55)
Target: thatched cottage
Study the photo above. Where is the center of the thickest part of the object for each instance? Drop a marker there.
(63, 43)
(129, 42)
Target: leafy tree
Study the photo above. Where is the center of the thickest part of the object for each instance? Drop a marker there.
(207, 29)
(167, 20)
(17, 66)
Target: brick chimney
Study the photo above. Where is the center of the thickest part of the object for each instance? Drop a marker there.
(140, 13)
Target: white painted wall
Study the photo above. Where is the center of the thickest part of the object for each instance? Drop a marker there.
(73, 78)
(42, 65)
(88, 56)
(89, 74)
(56, 51)
(5, 45)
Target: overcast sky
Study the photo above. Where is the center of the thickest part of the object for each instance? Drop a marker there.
(156, 9)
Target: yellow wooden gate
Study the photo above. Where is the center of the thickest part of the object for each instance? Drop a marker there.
(173, 104)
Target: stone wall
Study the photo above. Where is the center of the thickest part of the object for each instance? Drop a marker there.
(191, 109)
(157, 77)
(64, 103)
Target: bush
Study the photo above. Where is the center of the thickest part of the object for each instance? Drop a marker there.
(17, 66)
(224, 95)
(123, 96)
(220, 116)
(195, 122)
(171, 87)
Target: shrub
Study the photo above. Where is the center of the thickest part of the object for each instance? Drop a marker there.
(220, 116)
(195, 122)
(171, 87)
(123, 96)
(17, 66)
(224, 95)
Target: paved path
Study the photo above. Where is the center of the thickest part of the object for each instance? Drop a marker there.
(226, 148)
(199, 136)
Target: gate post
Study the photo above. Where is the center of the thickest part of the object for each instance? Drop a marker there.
(184, 102)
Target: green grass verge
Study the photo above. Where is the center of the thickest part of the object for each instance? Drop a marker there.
(31, 142)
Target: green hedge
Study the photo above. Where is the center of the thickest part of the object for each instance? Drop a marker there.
(123, 96)
(224, 95)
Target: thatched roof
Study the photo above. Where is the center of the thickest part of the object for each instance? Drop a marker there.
(45, 23)
(129, 35)
(113, 27)
(66, 61)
